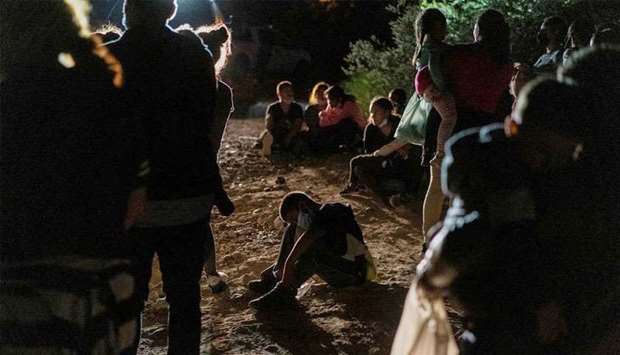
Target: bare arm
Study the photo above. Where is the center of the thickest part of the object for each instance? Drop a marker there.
(301, 246)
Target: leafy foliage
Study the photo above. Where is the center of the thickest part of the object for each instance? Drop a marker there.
(379, 66)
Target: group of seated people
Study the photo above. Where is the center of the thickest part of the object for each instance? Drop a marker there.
(108, 158)
(333, 122)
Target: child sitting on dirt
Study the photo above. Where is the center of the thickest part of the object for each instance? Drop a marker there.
(341, 123)
(322, 239)
(283, 120)
(374, 171)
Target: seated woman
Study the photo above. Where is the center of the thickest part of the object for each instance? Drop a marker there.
(283, 120)
(316, 103)
(322, 239)
(372, 169)
(341, 123)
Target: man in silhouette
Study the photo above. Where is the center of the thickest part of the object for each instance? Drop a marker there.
(170, 79)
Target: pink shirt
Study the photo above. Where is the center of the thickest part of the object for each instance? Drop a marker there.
(333, 115)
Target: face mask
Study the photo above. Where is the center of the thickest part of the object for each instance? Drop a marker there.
(304, 219)
(384, 123)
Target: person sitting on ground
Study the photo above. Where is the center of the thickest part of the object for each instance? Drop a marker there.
(551, 35)
(316, 103)
(322, 239)
(342, 122)
(368, 170)
(398, 97)
(579, 34)
(283, 120)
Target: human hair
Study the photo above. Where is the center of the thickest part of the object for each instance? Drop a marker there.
(338, 94)
(292, 200)
(580, 31)
(46, 33)
(148, 12)
(554, 106)
(218, 40)
(382, 102)
(494, 35)
(426, 21)
(315, 89)
(283, 84)
(399, 96)
(108, 32)
(556, 24)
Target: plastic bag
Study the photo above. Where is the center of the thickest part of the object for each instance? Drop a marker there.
(424, 328)
(412, 126)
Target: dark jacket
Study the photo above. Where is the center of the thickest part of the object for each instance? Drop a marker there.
(171, 81)
(68, 160)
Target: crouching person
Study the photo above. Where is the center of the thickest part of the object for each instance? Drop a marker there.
(321, 239)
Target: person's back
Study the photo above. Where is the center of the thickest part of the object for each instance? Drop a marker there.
(62, 141)
(476, 80)
(170, 78)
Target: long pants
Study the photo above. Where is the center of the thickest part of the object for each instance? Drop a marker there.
(366, 169)
(181, 258)
(321, 260)
(433, 202)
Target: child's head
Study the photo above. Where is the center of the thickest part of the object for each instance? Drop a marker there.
(424, 85)
(380, 109)
(317, 96)
(553, 121)
(431, 23)
(217, 38)
(285, 93)
(294, 203)
(335, 95)
(398, 97)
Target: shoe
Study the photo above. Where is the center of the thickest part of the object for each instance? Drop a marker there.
(267, 143)
(216, 283)
(279, 296)
(261, 286)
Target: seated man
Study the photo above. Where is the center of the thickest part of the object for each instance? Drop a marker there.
(318, 239)
(283, 120)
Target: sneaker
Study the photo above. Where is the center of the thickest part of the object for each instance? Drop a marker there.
(216, 282)
(277, 297)
(261, 286)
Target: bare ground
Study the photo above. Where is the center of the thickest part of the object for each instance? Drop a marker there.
(351, 321)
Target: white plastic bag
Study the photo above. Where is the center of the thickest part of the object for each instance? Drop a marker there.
(424, 328)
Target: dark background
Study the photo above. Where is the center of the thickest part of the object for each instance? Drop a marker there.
(324, 28)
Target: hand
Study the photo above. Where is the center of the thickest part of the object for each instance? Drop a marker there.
(224, 204)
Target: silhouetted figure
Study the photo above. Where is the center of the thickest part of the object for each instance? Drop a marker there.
(72, 175)
(172, 85)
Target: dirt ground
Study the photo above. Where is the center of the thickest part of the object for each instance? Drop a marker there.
(350, 321)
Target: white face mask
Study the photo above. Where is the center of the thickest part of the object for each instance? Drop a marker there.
(304, 220)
